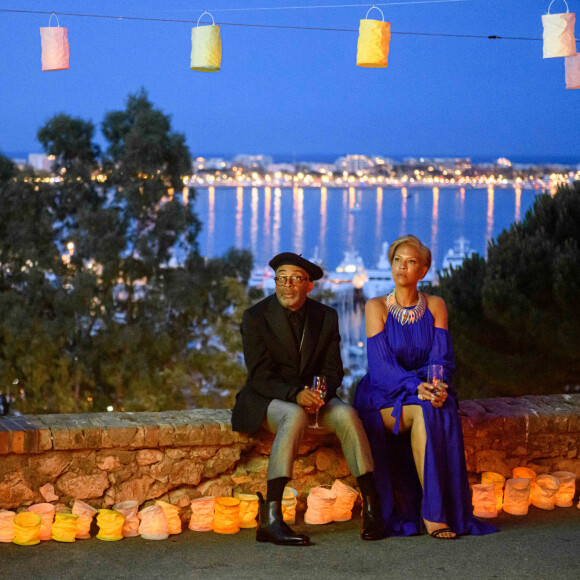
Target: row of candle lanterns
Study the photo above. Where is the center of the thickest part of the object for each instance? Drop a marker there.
(524, 488)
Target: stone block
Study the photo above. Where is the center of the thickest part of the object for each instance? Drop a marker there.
(109, 463)
(14, 493)
(119, 436)
(186, 472)
(224, 459)
(221, 487)
(160, 471)
(83, 486)
(47, 492)
(176, 454)
(331, 462)
(139, 490)
(149, 456)
(123, 474)
(25, 441)
(5, 442)
(491, 460)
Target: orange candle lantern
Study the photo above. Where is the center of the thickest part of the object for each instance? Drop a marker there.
(110, 524)
(289, 505)
(202, 514)
(544, 495)
(55, 49)
(64, 528)
(516, 499)
(484, 501)
(6, 526)
(172, 516)
(345, 498)
(46, 511)
(526, 472)
(27, 528)
(374, 37)
(498, 481)
(319, 506)
(565, 494)
(249, 505)
(129, 510)
(226, 515)
(206, 47)
(559, 33)
(86, 514)
(572, 71)
(153, 525)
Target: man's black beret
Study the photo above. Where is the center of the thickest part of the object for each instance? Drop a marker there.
(291, 259)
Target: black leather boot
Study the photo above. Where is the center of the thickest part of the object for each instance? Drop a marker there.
(373, 526)
(272, 528)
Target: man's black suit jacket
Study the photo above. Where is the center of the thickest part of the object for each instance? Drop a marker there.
(276, 370)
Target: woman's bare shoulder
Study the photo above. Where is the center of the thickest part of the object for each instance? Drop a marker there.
(375, 315)
(378, 304)
(438, 309)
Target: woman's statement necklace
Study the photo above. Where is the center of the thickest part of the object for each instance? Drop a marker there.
(406, 315)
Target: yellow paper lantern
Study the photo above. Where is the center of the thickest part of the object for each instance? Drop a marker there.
(55, 49)
(559, 33)
(46, 511)
(544, 496)
(86, 513)
(64, 528)
(206, 47)
(373, 42)
(110, 524)
(289, 505)
(27, 528)
(565, 494)
(572, 70)
(202, 514)
(516, 500)
(319, 506)
(345, 498)
(153, 525)
(498, 481)
(249, 505)
(172, 516)
(526, 472)
(226, 515)
(129, 510)
(483, 500)
(6, 526)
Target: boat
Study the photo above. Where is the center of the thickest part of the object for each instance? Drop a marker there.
(380, 279)
(454, 257)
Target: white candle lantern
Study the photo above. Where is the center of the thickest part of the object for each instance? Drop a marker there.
(516, 500)
(345, 498)
(483, 500)
(498, 481)
(153, 525)
(129, 510)
(206, 47)
(544, 496)
(55, 49)
(374, 37)
(572, 69)
(529, 474)
(7, 526)
(559, 33)
(86, 513)
(565, 494)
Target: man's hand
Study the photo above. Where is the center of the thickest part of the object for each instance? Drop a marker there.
(309, 399)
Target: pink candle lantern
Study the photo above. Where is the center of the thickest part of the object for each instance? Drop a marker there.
(64, 528)
(129, 510)
(86, 514)
(153, 525)
(565, 494)
(55, 49)
(544, 496)
(526, 472)
(498, 481)
(319, 506)
(172, 516)
(484, 501)
(374, 37)
(516, 499)
(559, 33)
(110, 524)
(249, 505)
(572, 70)
(289, 505)
(345, 498)
(7, 526)
(46, 511)
(202, 514)
(226, 515)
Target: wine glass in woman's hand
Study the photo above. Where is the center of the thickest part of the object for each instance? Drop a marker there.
(318, 386)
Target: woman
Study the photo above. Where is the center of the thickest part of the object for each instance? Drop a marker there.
(413, 427)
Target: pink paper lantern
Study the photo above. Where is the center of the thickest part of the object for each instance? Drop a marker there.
(46, 512)
(345, 498)
(55, 50)
(572, 66)
(320, 505)
(484, 501)
(516, 499)
(202, 514)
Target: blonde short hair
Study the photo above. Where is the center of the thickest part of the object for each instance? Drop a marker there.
(424, 251)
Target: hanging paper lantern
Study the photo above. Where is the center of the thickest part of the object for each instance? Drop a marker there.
(249, 505)
(516, 500)
(202, 514)
(27, 528)
(172, 516)
(54, 42)
(373, 42)
(345, 498)
(572, 66)
(64, 528)
(320, 504)
(559, 33)
(567, 489)
(110, 524)
(46, 511)
(153, 525)
(498, 480)
(206, 47)
(226, 515)
(7, 526)
(86, 513)
(544, 496)
(526, 472)
(289, 505)
(483, 500)
(129, 510)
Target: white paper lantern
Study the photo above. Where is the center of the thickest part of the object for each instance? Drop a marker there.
(567, 489)
(374, 37)
(498, 481)
(544, 496)
(129, 510)
(206, 47)
(572, 66)
(559, 38)
(516, 500)
(484, 501)
(55, 49)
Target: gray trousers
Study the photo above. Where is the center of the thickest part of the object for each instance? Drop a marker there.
(289, 420)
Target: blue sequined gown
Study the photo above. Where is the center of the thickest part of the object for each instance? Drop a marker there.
(398, 358)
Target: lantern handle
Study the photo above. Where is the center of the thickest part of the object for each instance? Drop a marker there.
(552, 2)
(206, 12)
(373, 7)
(50, 20)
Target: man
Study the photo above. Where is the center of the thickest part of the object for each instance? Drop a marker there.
(287, 340)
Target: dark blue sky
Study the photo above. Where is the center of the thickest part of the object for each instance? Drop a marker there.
(299, 91)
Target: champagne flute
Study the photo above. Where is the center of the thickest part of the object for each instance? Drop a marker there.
(318, 386)
(434, 376)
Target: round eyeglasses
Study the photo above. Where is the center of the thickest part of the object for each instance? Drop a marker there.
(285, 280)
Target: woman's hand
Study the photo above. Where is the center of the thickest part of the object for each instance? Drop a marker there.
(436, 394)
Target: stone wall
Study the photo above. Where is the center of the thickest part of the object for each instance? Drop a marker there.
(106, 458)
